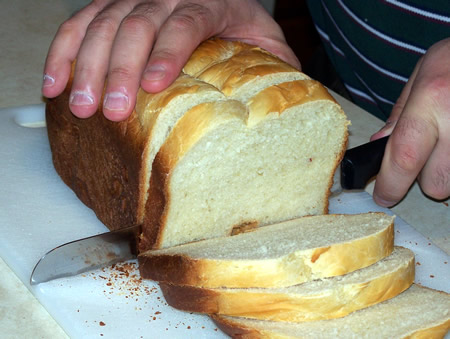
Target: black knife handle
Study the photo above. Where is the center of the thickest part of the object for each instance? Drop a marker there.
(362, 163)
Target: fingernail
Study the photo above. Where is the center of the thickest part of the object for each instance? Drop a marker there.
(154, 73)
(383, 131)
(80, 98)
(116, 101)
(48, 81)
(382, 202)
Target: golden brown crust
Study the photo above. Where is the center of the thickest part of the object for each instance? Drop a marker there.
(365, 321)
(237, 330)
(435, 332)
(297, 267)
(179, 268)
(230, 65)
(290, 304)
(240, 331)
(154, 207)
(278, 98)
(216, 51)
(104, 177)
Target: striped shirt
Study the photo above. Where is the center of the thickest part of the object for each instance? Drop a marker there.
(374, 45)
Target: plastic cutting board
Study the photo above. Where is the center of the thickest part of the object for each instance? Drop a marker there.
(38, 212)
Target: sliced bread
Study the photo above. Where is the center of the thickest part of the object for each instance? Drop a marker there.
(183, 180)
(315, 300)
(418, 312)
(278, 255)
(158, 113)
(270, 165)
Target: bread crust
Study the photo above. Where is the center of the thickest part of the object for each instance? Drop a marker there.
(292, 306)
(240, 331)
(291, 269)
(434, 332)
(106, 177)
(241, 328)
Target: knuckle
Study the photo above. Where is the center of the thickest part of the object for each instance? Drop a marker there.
(182, 21)
(405, 159)
(68, 26)
(437, 185)
(165, 54)
(137, 23)
(149, 8)
(437, 88)
(121, 74)
(103, 26)
(409, 129)
(140, 21)
(191, 15)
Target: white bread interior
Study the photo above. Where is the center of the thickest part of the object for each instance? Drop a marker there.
(315, 300)
(278, 255)
(418, 312)
(158, 113)
(272, 164)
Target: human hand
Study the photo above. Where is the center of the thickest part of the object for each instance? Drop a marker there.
(134, 43)
(419, 146)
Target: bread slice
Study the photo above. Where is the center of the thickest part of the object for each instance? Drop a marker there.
(279, 255)
(158, 113)
(272, 165)
(273, 161)
(418, 312)
(315, 300)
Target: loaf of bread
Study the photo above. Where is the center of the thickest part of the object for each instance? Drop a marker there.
(418, 312)
(278, 255)
(315, 300)
(240, 140)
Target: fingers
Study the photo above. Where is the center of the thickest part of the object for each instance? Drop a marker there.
(434, 178)
(419, 145)
(94, 57)
(398, 108)
(64, 49)
(134, 43)
(188, 25)
(407, 151)
(129, 57)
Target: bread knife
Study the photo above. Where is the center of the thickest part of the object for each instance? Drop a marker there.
(86, 254)
(358, 166)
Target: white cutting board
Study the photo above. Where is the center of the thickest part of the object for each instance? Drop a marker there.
(38, 212)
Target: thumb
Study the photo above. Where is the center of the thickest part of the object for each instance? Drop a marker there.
(398, 107)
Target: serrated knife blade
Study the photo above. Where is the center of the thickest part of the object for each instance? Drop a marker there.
(86, 254)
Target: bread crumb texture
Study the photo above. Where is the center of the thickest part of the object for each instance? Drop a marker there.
(278, 255)
(264, 153)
